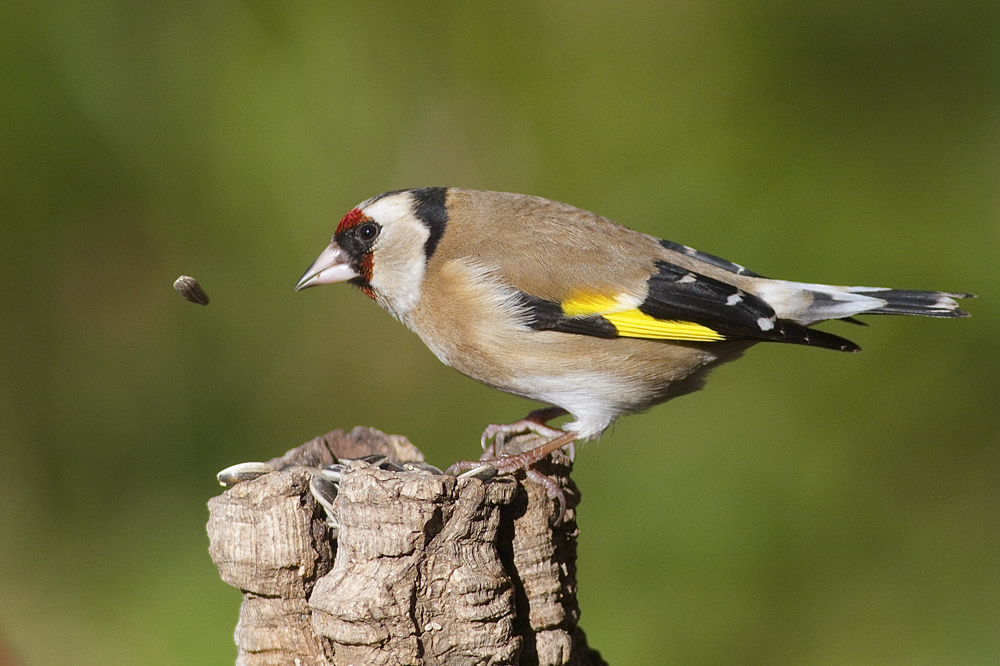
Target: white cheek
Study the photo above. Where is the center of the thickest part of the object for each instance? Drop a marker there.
(398, 267)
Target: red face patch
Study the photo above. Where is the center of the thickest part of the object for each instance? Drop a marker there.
(366, 269)
(352, 219)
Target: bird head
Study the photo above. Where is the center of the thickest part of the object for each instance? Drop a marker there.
(382, 246)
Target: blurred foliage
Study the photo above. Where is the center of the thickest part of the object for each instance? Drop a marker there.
(808, 508)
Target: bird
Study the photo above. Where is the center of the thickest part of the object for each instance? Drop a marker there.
(560, 305)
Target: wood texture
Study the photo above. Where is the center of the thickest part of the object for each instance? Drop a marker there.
(427, 569)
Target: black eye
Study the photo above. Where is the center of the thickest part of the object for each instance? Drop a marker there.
(367, 232)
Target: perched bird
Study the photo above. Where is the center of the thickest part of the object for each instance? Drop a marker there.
(560, 305)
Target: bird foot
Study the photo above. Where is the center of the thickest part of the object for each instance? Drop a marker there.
(497, 436)
(511, 463)
(553, 490)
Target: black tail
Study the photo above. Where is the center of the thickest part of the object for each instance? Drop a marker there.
(921, 303)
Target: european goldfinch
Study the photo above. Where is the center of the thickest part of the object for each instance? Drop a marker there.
(560, 305)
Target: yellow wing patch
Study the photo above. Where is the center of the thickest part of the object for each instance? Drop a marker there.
(630, 322)
(585, 304)
(636, 324)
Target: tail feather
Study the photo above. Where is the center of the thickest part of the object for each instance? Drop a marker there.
(920, 303)
(808, 304)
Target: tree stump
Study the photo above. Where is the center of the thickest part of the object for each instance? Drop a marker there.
(425, 568)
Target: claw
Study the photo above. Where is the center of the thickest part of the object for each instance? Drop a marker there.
(553, 490)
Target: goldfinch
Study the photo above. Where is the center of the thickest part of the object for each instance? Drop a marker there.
(562, 306)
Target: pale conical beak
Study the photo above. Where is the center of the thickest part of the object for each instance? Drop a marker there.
(332, 265)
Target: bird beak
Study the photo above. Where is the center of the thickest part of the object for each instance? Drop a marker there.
(332, 265)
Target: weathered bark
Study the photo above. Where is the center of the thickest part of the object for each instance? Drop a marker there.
(426, 569)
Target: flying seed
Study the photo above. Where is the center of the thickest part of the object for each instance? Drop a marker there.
(189, 288)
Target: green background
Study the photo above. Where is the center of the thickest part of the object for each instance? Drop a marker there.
(809, 507)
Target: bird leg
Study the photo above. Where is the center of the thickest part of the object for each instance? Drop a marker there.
(536, 422)
(510, 463)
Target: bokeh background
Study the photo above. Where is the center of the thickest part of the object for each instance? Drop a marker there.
(809, 508)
